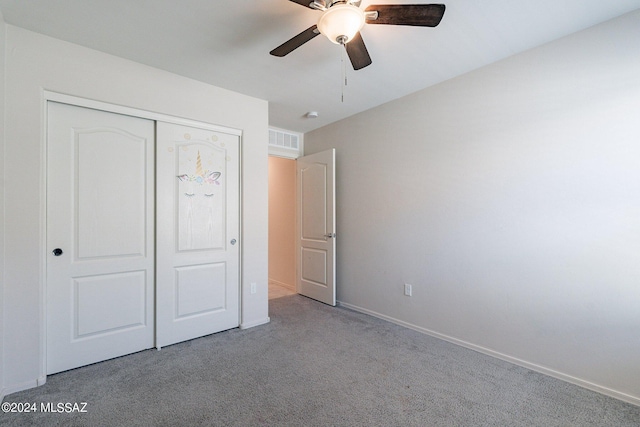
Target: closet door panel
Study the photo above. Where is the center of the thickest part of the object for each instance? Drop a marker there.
(100, 236)
(198, 234)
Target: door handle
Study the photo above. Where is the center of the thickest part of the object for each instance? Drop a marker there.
(57, 252)
(330, 235)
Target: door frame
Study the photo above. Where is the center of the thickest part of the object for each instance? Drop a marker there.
(50, 96)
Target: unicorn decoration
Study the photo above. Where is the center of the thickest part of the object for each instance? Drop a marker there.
(201, 176)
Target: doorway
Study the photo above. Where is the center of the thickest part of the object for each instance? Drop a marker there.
(282, 214)
(302, 227)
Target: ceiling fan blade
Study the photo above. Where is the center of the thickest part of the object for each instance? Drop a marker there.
(357, 52)
(305, 3)
(295, 42)
(421, 15)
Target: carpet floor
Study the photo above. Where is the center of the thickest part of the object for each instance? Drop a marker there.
(315, 365)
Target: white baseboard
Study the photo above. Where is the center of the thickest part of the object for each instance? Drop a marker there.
(534, 367)
(284, 285)
(14, 388)
(256, 323)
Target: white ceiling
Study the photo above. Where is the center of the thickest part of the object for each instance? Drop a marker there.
(226, 43)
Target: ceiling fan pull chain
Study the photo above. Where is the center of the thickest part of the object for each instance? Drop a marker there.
(343, 66)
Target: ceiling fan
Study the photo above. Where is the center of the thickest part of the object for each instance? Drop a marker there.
(342, 20)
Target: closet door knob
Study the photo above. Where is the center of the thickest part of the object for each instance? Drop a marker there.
(233, 241)
(57, 252)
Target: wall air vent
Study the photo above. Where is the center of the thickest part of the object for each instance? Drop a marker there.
(282, 139)
(285, 144)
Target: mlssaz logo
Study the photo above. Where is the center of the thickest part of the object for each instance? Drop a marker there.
(62, 407)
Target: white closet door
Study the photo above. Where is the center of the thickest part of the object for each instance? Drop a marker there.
(198, 242)
(100, 236)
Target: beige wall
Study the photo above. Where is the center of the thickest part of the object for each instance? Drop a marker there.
(509, 198)
(282, 210)
(35, 63)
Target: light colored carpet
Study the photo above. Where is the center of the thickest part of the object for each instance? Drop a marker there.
(315, 365)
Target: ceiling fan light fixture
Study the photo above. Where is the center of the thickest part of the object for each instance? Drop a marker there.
(341, 23)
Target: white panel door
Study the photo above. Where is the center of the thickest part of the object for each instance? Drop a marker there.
(316, 248)
(198, 242)
(100, 228)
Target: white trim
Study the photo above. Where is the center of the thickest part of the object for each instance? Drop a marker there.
(129, 111)
(289, 286)
(534, 367)
(42, 298)
(275, 152)
(15, 388)
(241, 301)
(256, 323)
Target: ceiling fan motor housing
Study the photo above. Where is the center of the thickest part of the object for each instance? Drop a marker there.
(341, 22)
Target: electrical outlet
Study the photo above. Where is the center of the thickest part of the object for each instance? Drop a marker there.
(253, 287)
(408, 289)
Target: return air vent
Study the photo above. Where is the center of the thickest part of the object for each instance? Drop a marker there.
(283, 143)
(278, 138)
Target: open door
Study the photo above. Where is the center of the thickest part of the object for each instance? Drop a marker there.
(316, 227)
